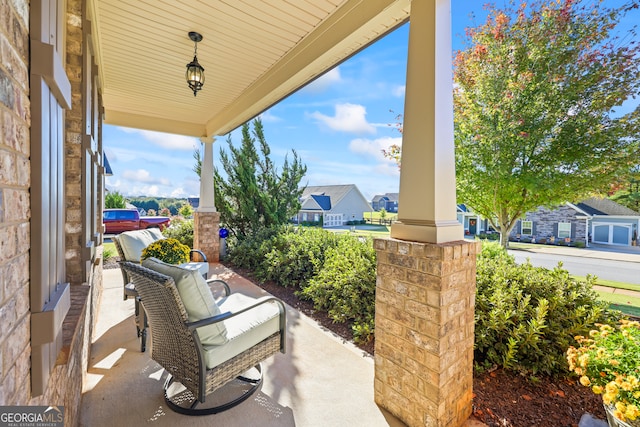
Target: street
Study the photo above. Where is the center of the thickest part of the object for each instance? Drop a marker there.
(620, 271)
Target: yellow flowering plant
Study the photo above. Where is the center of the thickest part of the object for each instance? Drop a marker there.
(608, 361)
(169, 250)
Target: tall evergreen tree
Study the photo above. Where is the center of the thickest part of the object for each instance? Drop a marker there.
(255, 194)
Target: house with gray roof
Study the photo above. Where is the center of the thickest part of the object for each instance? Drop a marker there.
(388, 201)
(596, 220)
(332, 205)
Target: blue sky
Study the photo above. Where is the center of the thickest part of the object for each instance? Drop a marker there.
(338, 125)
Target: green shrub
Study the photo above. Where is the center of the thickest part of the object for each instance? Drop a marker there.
(579, 244)
(181, 230)
(345, 286)
(294, 256)
(249, 252)
(526, 316)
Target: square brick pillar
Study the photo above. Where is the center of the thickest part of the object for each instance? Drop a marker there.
(205, 234)
(425, 297)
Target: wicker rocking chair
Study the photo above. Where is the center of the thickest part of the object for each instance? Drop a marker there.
(200, 374)
(129, 245)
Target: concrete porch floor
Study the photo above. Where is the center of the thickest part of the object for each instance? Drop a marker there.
(321, 381)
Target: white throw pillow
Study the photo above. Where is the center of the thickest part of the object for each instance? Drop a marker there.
(133, 242)
(196, 297)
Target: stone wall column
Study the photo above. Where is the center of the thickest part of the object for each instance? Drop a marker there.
(425, 297)
(206, 221)
(205, 234)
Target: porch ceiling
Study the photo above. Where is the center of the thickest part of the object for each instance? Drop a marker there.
(255, 53)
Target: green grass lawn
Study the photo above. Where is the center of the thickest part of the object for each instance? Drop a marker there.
(612, 284)
(372, 230)
(624, 303)
(109, 250)
(376, 215)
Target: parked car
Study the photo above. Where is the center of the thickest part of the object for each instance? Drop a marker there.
(119, 220)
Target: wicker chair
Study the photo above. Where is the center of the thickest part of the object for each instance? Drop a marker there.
(129, 290)
(177, 347)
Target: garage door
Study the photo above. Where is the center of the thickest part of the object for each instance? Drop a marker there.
(612, 234)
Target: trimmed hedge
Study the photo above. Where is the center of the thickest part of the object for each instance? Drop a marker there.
(526, 316)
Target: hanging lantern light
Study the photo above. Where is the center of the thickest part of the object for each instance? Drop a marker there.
(195, 72)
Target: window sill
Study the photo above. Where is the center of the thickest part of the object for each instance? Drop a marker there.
(70, 326)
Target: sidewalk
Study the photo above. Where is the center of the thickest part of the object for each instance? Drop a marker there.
(626, 253)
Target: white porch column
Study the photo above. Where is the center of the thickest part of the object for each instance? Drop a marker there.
(207, 195)
(427, 200)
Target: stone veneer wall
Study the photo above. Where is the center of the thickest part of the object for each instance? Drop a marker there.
(65, 383)
(425, 296)
(206, 227)
(74, 127)
(15, 120)
(545, 223)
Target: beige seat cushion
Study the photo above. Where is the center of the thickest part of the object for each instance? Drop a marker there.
(196, 297)
(244, 330)
(133, 242)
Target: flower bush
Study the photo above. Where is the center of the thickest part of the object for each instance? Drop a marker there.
(608, 362)
(169, 250)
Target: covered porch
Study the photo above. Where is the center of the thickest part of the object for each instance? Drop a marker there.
(71, 66)
(323, 380)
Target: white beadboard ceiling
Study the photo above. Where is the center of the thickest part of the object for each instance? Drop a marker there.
(255, 53)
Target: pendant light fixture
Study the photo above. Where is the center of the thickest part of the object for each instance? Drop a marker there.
(195, 72)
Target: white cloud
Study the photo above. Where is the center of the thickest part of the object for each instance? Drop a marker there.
(348, 118)
(373, 147)
(166, 140)
(179, 193)
(142, 175)
(398, 91)
(323, 82)
(268, 117)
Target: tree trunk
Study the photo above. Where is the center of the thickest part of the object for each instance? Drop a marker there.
(504, 237)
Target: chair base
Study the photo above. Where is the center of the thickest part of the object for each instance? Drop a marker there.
(182, 401)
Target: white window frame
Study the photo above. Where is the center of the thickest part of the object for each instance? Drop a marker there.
(563, 232)
(528, 227)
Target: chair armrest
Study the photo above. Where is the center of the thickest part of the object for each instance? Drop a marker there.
(227, 315)
(227, 290)
(199, 252)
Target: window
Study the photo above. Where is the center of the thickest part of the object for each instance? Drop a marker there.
(564, 230)
(526, 228)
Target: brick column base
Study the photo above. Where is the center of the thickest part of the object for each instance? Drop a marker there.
(425, 297)
(205, 234)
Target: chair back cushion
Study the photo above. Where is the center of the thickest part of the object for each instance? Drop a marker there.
(133, 242)
(196, 297)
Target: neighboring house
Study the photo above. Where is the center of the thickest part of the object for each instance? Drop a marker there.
(388, 201)
(333, 205)
(194, 202)
(472, 223)
(601, 221)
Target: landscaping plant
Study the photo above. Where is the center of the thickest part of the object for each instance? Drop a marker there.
(526, 316)
(181, 230)
(345, 285)
(607, 360)
(169, 250)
